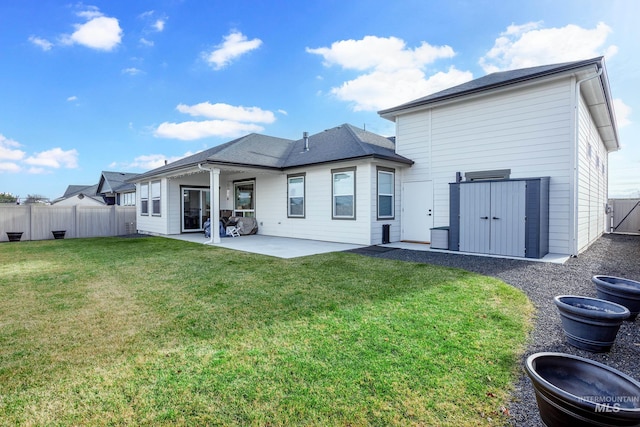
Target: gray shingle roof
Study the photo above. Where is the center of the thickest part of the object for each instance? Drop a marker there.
(341, 143)
(87, 190)
(249, 150)
(255, 150)
(112, 182)
(493, 80)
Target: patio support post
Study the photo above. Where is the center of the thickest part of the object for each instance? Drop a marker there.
(214, 201)
(214, 191)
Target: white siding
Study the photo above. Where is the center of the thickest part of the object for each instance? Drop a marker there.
(376, 224)
(271, 208)
(271, 204)
(527, 130)
(150, 223)
(592, 180)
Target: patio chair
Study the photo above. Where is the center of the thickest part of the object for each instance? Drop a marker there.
(234, 230)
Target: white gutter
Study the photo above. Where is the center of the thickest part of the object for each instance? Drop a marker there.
(576, 160)
(214, 200)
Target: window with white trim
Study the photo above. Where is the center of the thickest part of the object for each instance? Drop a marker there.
(144, 199)
(128, 199)
(344, 193)
(386, 193)
(245, 201)
(295, 196)
(155, 198)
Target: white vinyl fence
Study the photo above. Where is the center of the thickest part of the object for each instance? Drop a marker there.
(624, 215)
(37, 222)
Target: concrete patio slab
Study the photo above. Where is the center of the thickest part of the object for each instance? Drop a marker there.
(280, 247)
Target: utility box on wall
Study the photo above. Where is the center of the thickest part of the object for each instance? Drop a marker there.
(501, 217)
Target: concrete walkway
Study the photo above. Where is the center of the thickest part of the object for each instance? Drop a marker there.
(285, 247)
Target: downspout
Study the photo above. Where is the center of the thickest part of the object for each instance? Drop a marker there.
(576, 160)
(214, 200)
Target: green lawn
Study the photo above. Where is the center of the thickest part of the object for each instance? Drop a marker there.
(153, 331)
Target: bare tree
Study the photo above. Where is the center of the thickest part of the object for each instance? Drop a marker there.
(33, 199)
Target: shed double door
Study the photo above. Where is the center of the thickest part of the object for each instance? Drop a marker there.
(493, 218)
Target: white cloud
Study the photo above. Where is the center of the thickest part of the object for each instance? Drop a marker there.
(38, 171)
(529, 45)
(228, 112)
(72, 98)
(381, 54)
(44, 44)
(55, 158)
(99, 32)
(132, 71)
(11, 158)
(146, 42)
(9, 167)
(623, 111)
(235, 44)
(91, 12)
(393, 73)
(159, 25)
(9, 149)
(149, 161)
(283, 112)
(196, 130)
(225, 121)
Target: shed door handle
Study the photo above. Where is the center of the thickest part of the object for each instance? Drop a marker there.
(484, 217)
(495, 217)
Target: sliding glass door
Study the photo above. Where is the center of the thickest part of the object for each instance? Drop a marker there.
(196, 208)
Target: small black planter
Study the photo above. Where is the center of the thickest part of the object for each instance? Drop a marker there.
(14, 236)
(571, 391)
(589, 323)
(58, 234)
(622, 291)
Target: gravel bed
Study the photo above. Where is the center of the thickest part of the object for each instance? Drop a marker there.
(612, 254)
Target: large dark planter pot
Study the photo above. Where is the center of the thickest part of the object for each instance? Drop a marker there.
(590, 323)
(14, 236)
(58, 234)
(574, 391)
(622, 291)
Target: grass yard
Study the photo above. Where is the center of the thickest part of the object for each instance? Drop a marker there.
(153, 331)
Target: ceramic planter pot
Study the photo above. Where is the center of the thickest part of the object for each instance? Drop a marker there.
(14, 236)
(574, 391)
(622, 291)
(590, 323)
(58, 234)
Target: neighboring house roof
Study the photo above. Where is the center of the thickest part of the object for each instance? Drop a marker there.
(598, 99)
(115, 182)
(80, 191)
(254, 150)
(73, 190)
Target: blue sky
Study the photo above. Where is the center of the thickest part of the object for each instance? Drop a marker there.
(122, 86)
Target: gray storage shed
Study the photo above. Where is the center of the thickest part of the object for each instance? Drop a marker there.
(507, 217)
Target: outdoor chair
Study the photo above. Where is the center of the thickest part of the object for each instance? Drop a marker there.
(234, 230)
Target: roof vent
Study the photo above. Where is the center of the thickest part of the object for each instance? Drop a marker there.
(305, 136)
